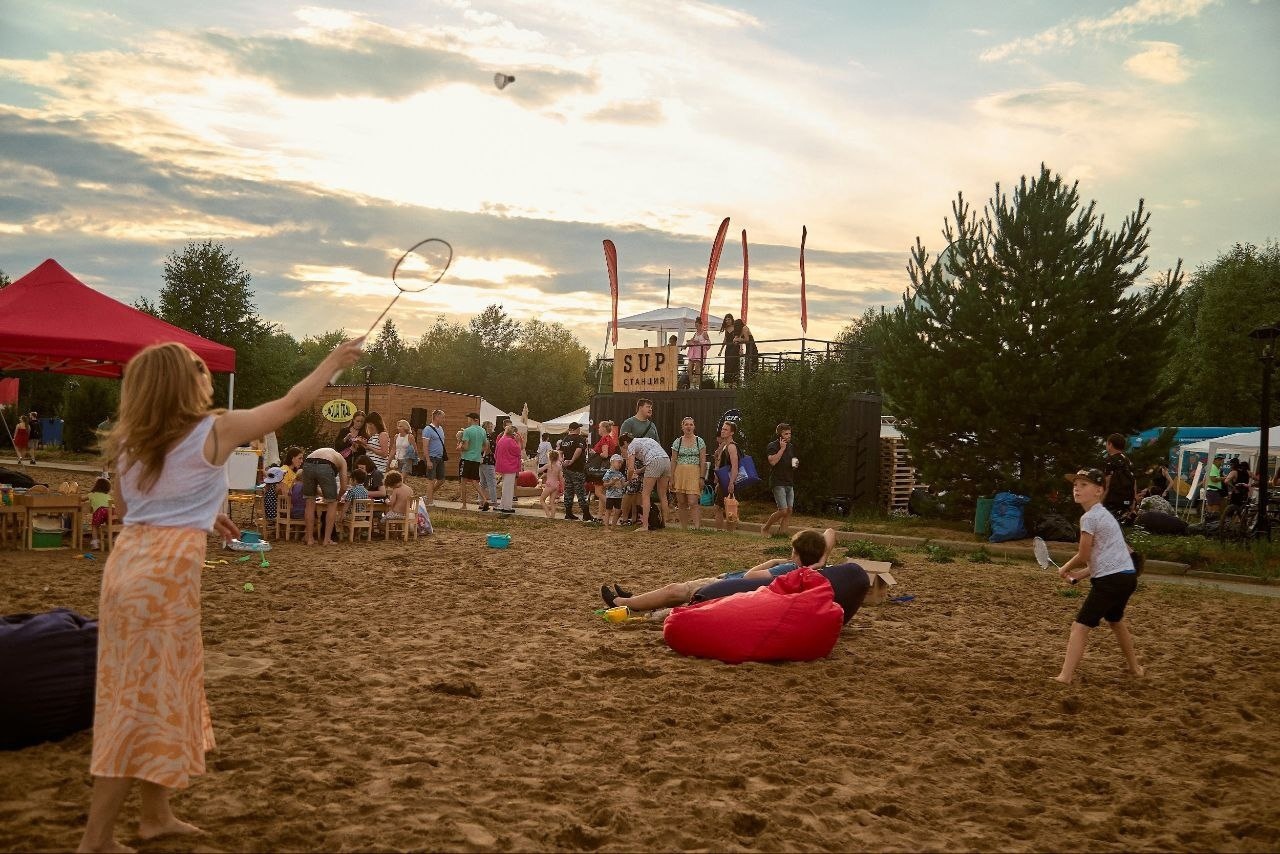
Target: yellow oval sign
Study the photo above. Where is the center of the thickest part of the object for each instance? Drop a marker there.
(338, 411)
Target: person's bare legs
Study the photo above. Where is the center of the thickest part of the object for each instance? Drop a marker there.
(431, 486)
(628, 506)
(1075, 651)
(663, 507)
(1125, 639)
(462, 491)
(157, 818)
(645, 500)
(108, 796)
(331, 510)
(664, 597)
(682, 509)
(695, 504)
(309, 515)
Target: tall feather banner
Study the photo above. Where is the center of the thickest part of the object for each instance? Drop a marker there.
(744, 277)
(611, 261)
(804, 302)
(716, 249)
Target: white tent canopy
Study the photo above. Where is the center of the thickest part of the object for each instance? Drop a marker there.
(1236, 444)
(555, 426)
(676, 321)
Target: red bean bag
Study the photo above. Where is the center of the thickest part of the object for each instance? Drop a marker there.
(526, 478)
(795, 618)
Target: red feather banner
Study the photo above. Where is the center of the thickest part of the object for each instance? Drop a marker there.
(804, 303)
(743, 314)
(611, 261)
(716, 249)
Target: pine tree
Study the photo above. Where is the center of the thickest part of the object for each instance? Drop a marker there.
(1026, 341)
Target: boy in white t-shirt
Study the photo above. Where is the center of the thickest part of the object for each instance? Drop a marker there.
(1104, 558)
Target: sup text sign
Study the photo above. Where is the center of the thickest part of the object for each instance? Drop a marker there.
(645, 369)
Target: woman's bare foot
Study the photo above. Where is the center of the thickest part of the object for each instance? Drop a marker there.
(112, 847)
(1065, 680)
(171, 827)
(1139, 672)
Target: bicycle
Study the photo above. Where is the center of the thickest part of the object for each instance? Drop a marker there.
(1236, 524)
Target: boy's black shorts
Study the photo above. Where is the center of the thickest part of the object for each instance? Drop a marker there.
(1107, 599)
(613, 503)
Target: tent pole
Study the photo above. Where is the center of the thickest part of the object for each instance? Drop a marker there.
(231, 392)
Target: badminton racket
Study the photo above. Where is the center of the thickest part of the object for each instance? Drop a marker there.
(1042, 556)
(418, 269)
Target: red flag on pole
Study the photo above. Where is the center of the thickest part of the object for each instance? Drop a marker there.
(611, 261)
(744, 277)
(716, 248)
(804, 303)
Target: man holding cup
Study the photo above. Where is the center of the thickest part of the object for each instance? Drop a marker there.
(782, 479)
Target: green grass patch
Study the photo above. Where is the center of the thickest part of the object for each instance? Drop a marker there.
(872, 551)
(1259, 560)
(980, 556)
(777, 551)
(937, 554)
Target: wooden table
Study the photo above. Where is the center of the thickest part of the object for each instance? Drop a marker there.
(12, 519)
(53, 504)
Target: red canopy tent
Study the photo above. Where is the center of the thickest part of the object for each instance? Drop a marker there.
(51, 321)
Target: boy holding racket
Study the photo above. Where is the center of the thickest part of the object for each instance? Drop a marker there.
(1104, 558)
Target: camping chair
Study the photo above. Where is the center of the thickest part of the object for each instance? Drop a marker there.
(406, 527)
(112, 529)
(361, 519)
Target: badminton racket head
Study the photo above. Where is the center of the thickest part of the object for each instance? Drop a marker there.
(1042, 553)
(502, 80)
(422, 266)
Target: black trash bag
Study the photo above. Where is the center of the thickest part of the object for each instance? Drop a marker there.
(1203, 529)
(16, 478)
(1161, 523)
(1055, 528)
(655, 517)
(48, 664)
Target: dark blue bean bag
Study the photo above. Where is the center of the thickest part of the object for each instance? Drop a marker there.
(48, 663)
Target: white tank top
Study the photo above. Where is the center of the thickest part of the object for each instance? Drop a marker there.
(189, 493)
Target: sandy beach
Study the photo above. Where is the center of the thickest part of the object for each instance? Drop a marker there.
(442, 695)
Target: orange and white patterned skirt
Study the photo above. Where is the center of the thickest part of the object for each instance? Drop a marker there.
(151, 721)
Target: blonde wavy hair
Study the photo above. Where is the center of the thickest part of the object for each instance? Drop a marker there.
(161, 399)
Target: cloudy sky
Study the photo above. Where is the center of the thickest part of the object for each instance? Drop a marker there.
(318, 140)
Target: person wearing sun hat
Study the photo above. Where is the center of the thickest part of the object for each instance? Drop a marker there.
(271, 491)
(1105, 559)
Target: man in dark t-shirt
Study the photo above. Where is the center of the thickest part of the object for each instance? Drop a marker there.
(782, 474)
(849, 586)
(1121, 495)
(573, 456)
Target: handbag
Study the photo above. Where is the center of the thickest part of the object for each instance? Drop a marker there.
(597, 465)
(708, 496)
(746, 474)
(444, 452)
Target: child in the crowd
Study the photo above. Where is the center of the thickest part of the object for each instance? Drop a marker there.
(297, 501)
(1104, 558)
(99, 499)
(615, 485)
(406, 447)
(552, 481)
(373, 477)
(271, 492)
(399, 494)
(355, 492)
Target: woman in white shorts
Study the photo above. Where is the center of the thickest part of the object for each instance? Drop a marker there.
(648, 454)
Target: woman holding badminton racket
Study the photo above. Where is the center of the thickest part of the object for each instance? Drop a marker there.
(151, 722)
(1104, 558)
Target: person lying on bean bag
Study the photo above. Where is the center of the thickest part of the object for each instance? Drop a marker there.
(808, 548)
(795, 617)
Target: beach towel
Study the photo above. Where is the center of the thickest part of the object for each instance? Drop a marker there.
(795, 618)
